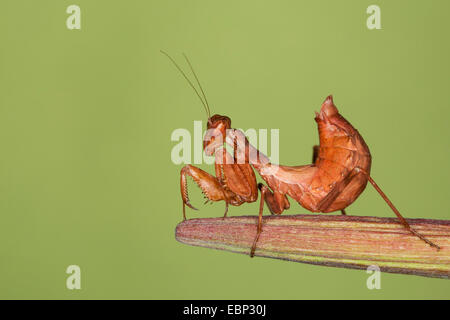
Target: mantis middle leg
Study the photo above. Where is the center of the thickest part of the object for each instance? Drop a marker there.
(276, 202)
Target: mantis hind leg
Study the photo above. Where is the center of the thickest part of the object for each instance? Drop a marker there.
(316, 149)
(277, 203)
(397, 213)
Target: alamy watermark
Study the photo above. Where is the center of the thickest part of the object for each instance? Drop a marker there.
(250, 145)
(74, 20)
(374, 20)
(73, 281)
(374, 281)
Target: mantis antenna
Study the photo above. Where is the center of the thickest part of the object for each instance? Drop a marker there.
(204, 103)
(198, 82)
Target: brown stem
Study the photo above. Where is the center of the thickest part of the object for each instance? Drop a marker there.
(337, 241)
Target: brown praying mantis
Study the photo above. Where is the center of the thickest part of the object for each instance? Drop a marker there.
(337, 176)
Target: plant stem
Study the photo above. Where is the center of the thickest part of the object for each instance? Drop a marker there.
(337, 241)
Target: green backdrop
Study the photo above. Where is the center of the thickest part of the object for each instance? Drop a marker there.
(86, 116)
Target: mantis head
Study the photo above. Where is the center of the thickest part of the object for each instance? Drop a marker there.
(216, 133)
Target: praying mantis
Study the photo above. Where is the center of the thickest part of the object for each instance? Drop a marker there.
(337, 176)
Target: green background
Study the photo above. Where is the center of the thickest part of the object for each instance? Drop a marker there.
(86, 116)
